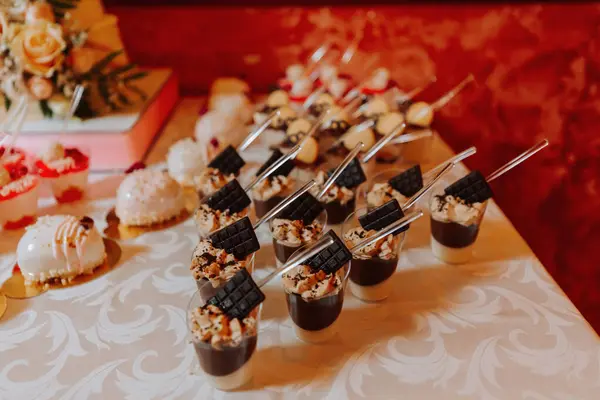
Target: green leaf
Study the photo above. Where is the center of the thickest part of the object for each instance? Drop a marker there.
(64, 4)
(105, 93)
(46, 110)
(100, 65)
(120, 70)
(7, 102)
(136, 76)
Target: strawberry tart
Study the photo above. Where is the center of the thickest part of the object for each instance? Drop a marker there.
(66, 169)
(18, 196)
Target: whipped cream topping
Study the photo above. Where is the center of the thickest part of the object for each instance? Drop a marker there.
(294, 72)
(55, 151)
(299, 126)
(453, 209)
(214, 264)
(310, 284)
(210, 325)
(380, 79)
(211, 180)
(149, 196)
(295, 233)
(374, 107)
(18, 185)
(383, 248)
(183, 161)
(301, 87)
(208, 220)
(60, 247)
(338, 87)
(272, 186)
(387, 122)
(381, 193)
(334, 193)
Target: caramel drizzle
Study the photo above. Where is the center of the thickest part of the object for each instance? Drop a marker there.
(69, 243)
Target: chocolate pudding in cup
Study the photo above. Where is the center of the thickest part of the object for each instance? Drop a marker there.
(288, 236)
(315, 300)
(271, 191)
(454, 226)
(212, 267)
(224, 346)
(339, 201)
(373, 266)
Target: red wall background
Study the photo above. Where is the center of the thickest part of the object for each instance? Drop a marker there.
(538, 73)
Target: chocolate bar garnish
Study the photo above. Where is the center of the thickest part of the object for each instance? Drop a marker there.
(352, 176)
(382, 216)
(239, 296)
(228, 161)
(408, 182)
(472, 188)
(230, 197)
(332, 258)
(284, 170)
(237, 238)
(305, 208)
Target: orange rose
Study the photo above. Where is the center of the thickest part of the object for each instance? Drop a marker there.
(40, 88)
(39, 11)
(39, 47)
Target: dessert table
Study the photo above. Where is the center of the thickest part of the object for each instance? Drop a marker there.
(496, 328)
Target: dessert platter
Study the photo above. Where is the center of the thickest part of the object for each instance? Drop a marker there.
(288, 244)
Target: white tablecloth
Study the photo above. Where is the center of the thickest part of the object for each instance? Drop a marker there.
(497, 328)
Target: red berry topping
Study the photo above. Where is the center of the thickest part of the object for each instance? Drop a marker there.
(17, 171)
(203, 110)
(135, 166)
(214, 142)
(76, 155)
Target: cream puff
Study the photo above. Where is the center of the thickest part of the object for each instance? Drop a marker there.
(147, 197)
(59, 248)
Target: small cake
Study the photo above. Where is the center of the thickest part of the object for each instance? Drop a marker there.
(184, 162)
(18, 196)
(336, 123)
(147, 197)
(210, 180)
(214, 131)
(67, 170)
(301, 89)
(322, 103)
(59, 248)
(233, 105)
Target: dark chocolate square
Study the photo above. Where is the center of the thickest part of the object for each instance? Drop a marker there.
(284, 170)
(238, 239)
(408, 182)
(352, 176)
(382, 216)
(228, 161)
(331, 258)
(230, 197)
(472, 188)
(305, 208)
(239, 296)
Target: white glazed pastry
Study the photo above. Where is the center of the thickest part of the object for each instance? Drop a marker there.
(215, 130)
(233, 105)
(184, 161)
(60, 247)
(147, 197)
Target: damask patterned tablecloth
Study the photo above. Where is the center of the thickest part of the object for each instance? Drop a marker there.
(497, 328)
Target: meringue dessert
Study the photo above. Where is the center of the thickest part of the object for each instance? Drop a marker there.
(59, 248)
(224, 346)
(66, 169)
(147, 197)
(315, 300)
(18, 196)
(372, 267)
(183, 162)
(215, 131)
(454, 228)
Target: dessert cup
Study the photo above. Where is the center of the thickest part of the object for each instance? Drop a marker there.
(418, 151)
(315, 319)
(283, 250)
(452, 241)
(370, 275)
(19, 209)
(262, 207)
(206, 290)
(226, 367)
(68, 185)
(338, 212)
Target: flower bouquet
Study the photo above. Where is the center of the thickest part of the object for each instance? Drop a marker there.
(45, 54)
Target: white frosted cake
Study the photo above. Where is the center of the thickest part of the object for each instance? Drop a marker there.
(60, 247)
